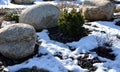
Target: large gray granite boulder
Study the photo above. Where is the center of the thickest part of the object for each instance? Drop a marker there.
(17, 40)
(40, 16)
(98, 9)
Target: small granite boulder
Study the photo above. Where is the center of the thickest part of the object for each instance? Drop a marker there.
(17, 40)
(98, 9)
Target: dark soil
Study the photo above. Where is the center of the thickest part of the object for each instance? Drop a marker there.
(72, 48)
(118, 36)
(56, 35)
(118, 23)
(48, 0)
(83, 61)
(33, 69)
(104, 52)
(58, 54)
(86, 63)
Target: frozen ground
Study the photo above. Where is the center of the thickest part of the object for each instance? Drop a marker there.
(55, 64)
(49, 48)
(7, 4)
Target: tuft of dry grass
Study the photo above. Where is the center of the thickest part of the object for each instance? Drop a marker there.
(67, 4)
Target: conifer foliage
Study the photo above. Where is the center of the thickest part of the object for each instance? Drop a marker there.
(71, 23)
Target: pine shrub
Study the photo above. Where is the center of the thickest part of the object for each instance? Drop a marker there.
(71, 23)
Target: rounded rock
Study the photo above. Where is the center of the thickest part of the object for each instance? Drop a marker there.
(40, 16)
(17, 40)
(98, 10)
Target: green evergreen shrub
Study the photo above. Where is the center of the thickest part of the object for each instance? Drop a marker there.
(71, 23)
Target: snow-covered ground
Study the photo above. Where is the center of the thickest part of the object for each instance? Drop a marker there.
(55, 64)
(49, 48)
(7, 4)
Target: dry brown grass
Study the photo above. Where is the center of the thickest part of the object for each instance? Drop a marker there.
(67, 4)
